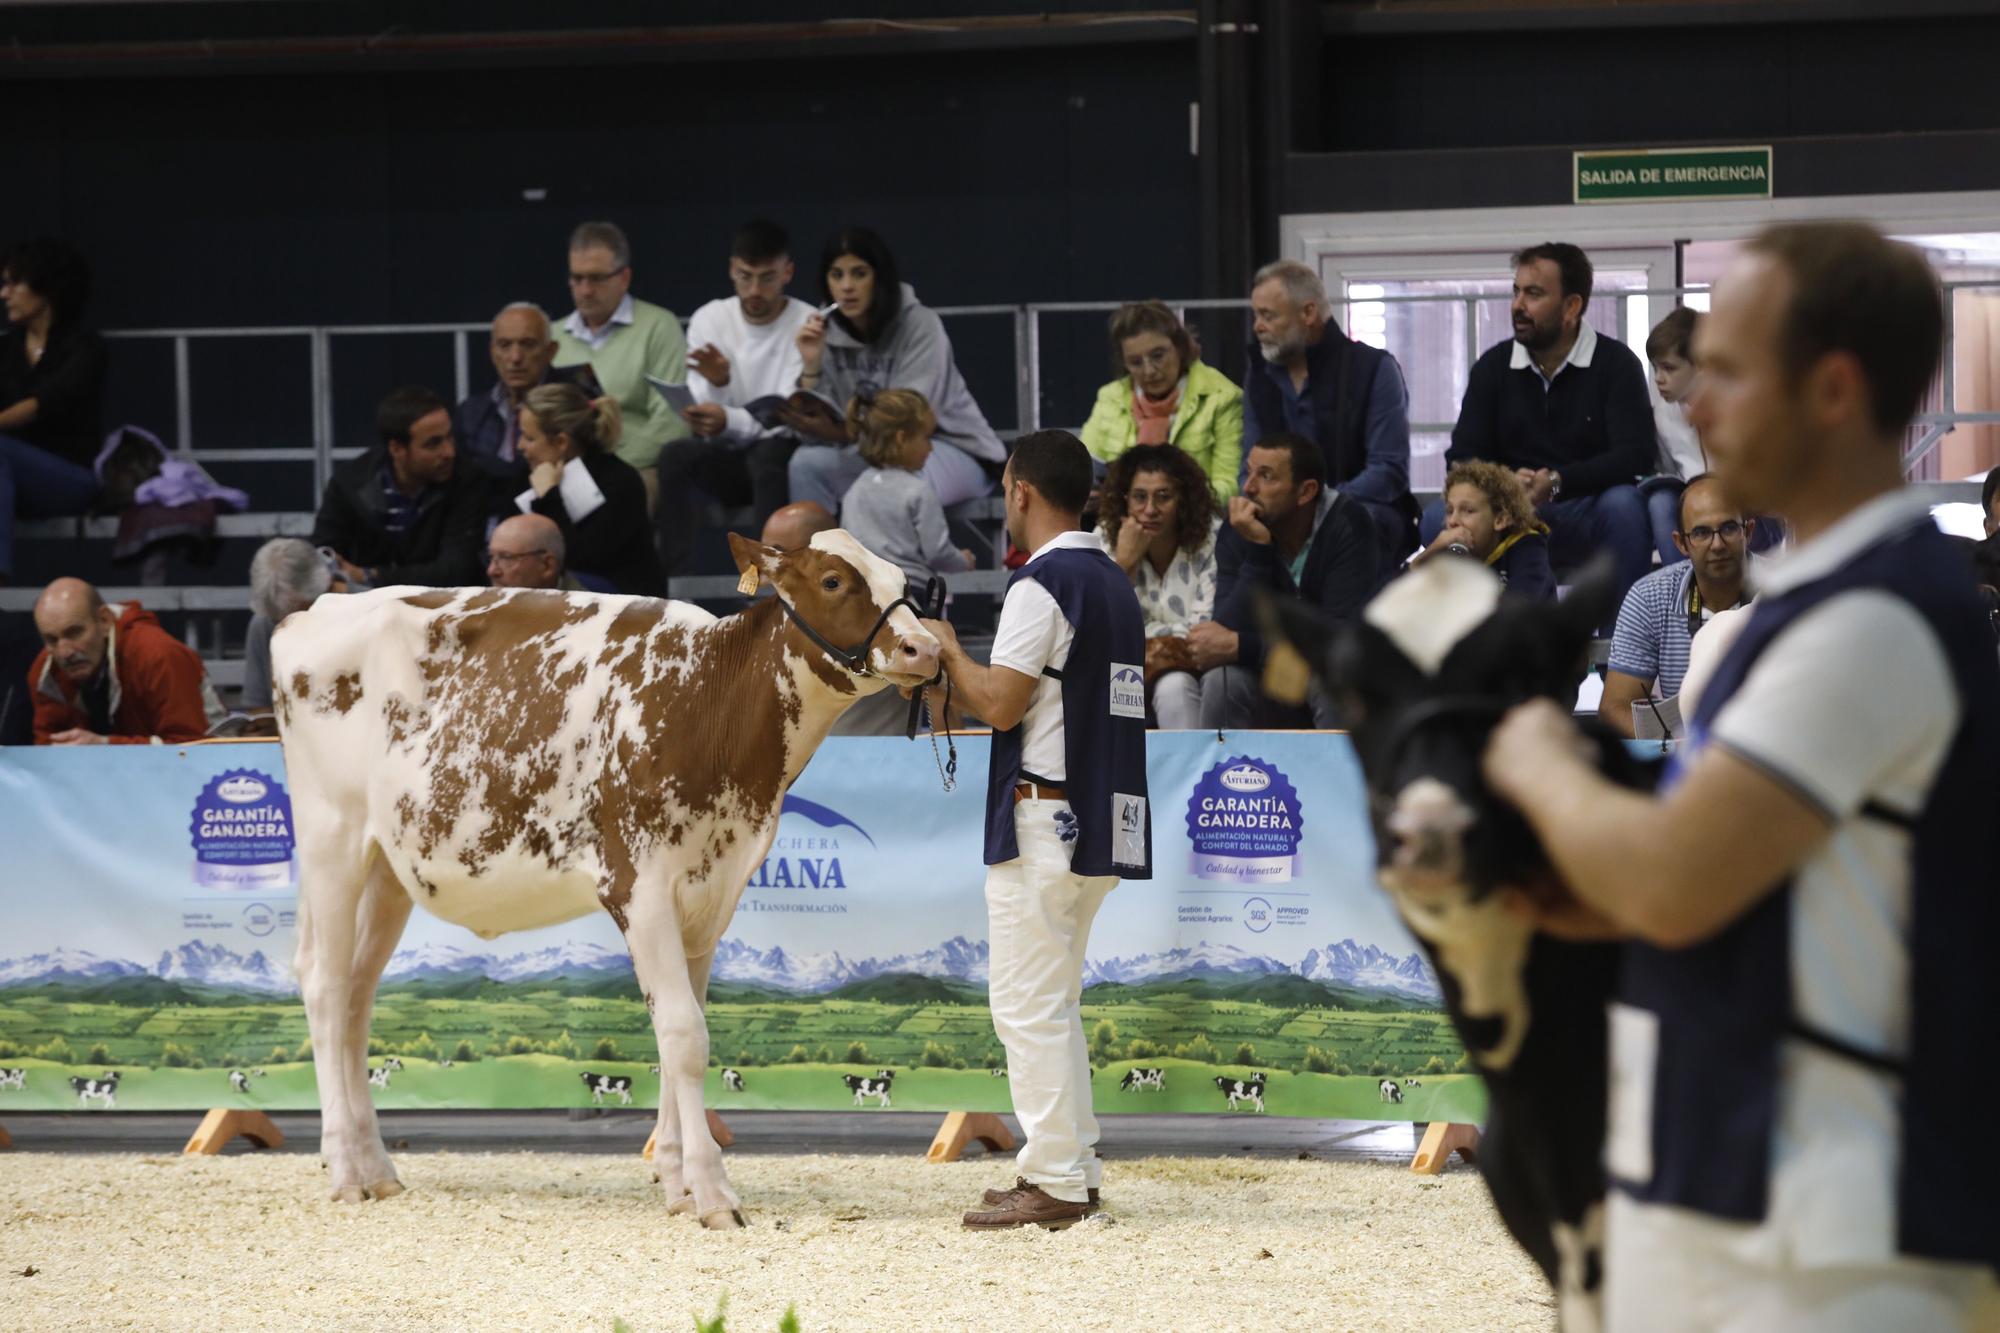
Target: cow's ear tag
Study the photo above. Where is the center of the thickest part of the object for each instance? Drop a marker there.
(1286, 675)
(747, 585)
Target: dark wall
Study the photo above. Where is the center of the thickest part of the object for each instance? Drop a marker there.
(287, 199)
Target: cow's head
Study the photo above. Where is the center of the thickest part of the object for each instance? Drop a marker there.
(1423, 678)
(838, 590)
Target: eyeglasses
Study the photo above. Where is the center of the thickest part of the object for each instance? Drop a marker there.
(1729, 531)
(1153, 359)
(509, 557)
(593, 279)
(1158, 499)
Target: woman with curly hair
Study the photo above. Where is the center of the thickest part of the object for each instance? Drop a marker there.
(1160, 521)
(1488, 517)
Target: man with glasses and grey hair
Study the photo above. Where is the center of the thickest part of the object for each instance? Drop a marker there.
(623, 340)
(1308, 377)
(286, 575)
(527, 551)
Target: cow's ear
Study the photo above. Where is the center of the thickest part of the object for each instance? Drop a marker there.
(754, 561)
(1296, 640)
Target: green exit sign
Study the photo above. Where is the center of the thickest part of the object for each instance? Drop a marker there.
(1638, 176)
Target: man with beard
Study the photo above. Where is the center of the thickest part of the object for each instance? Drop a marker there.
(1666, 609)
(108, 674)
(1566, 408)
(1309, 378)
(1294, 536)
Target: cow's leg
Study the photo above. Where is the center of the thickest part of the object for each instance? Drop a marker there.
(332, 877)
(667, 975)
(667, 1131)
(379, 920)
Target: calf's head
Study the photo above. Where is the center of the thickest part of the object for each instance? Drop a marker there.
(1423, 678)
(851, 599)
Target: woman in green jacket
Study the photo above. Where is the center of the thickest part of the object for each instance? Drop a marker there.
(1167, 396)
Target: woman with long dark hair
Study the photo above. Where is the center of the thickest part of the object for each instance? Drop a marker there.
(51, 385)
(879, 336)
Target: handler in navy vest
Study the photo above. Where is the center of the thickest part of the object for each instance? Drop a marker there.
(1066, 814)
(1804, 1010)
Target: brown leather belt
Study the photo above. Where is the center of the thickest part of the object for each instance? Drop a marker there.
(1033, 791)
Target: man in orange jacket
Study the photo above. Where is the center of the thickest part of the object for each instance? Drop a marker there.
(110, 674)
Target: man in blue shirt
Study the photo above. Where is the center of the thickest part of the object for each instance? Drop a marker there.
(1809, 898)
(1566, 408)
(1309, 378)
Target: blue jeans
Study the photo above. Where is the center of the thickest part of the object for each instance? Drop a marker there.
(35, 483)
(1663, 515)
(1614, 520)
(823, 472)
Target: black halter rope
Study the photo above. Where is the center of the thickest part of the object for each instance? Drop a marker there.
(855, 660)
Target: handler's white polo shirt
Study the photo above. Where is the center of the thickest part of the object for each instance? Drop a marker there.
(1852, 703)
(1033, 633)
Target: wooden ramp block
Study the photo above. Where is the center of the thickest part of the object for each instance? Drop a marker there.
(716, 1130)
(5, 1141)
(1440, 1142)
(221, 1125)
(961, 1128)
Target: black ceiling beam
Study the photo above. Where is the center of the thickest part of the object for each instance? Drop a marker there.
(1383, 18)
(399, 51)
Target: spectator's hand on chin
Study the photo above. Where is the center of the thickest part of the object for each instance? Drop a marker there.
(545, 478)
(707, 419)
(1243, 517)
(76, 736)
(1212, 645)
(711, 364)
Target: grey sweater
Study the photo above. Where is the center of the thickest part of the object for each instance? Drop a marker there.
(914, 352)
(897, 515)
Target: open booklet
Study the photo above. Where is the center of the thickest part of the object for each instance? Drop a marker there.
(1656, 719)
(679, 397)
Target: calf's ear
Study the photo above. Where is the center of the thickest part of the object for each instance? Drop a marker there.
(1591, 600)
(754, 561)
(1297, 640)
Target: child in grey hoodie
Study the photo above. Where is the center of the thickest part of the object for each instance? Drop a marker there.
(891, 509)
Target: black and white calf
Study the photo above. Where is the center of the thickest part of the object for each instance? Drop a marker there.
(103, 1089)
(863, 1086)
(1135, 1079)
(444, 1064)
(599, 1084)
(14, 1078)
(239, 1081)
(1242, 1089)
(1413, 1083)
(1000, 1072)
(1391, 1092)
(732, 1080)
(1425, 675)
(379, 1077)
(394, 1062)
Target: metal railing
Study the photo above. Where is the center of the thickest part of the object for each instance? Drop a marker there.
(1026, 319)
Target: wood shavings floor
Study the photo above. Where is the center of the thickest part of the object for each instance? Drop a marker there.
(572, 1241)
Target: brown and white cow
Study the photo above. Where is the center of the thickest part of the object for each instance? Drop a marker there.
(509, 759)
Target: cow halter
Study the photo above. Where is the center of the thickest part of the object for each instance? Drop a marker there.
(853, 659)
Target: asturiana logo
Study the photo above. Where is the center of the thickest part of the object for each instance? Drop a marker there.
(241, 790)
(1245, 777)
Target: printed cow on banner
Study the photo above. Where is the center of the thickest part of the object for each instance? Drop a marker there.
(511, 759)
(862, 1086)
(103, 1089)
(1423, 678)
(1249, 1090)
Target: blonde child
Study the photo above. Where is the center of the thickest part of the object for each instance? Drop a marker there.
(891, 509)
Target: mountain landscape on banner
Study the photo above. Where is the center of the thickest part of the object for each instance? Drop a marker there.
(1348, 963)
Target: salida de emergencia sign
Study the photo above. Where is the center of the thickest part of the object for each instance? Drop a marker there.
(1642, 175)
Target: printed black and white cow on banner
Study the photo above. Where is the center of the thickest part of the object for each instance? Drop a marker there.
(1242, 1089)
(510, 758)
(619, 1085)
(863, 1086)
(1138, 1078)
(732, 1080)
(103, 1089)
(239, 1081)
(14, 1078)
(1438, 656)
(379, 1077)
(1391, 1091)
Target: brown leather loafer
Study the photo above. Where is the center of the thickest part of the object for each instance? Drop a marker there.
(994, 1198)
(1028, 1206)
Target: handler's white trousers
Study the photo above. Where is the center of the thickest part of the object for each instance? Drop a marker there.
(1668, 1270)
(1038, 920)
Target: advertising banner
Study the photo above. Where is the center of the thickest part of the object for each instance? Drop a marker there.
(147, 923)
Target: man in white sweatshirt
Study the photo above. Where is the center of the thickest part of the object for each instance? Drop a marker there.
(740, 349)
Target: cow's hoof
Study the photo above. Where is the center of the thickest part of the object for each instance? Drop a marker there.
(385, 1189)
(684, 1204)
(723, 1219)
(349, 1194)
